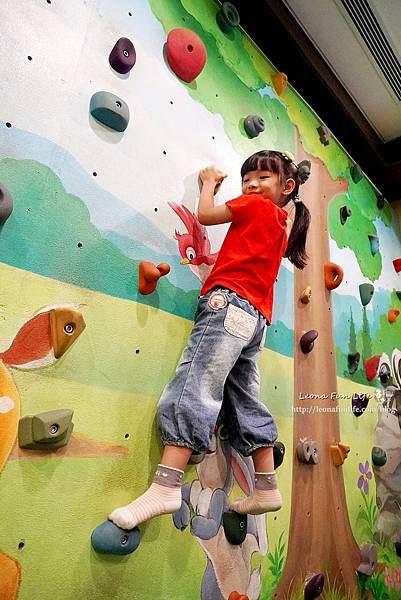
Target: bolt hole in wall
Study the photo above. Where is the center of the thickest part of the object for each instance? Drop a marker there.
(21, 545)
(126, 436)
(155, 209)
(29, 57)
(94, 174)
(130, 14)
(8, 124)
(137, 351)
(79, 244)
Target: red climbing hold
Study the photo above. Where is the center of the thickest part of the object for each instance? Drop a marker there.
(371, 367)
(392, 315)
(397, 264)
(186, 53)
(149, 275)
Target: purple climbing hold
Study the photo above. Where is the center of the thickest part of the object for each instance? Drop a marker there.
(123, 56)
(6, 204)
(314, 587)
(307, 341)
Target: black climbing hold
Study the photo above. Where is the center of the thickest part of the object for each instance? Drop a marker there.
(398, 294)
(123, 56)
(380, 201)
(254, 125)
(107, 538)
(379, 456)
(235, 527)
(6, 204)
(228, 17)
(324, 135)
(398, 548)
(384, 373)
(345, 212)
(356, 173)
(278, 454)
(359, 403)
(314, 587)
(353, 362)
(110, 110)
(307, 341)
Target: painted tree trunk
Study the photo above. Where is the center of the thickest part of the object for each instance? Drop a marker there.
(320, 536)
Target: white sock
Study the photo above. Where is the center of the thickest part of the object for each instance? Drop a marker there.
(162, 497)
(265, 498)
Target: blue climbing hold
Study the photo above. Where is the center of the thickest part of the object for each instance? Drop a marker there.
(107, 538)
(374, 244)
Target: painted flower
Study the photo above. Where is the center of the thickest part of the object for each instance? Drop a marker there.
(392, 578)
(363, 479)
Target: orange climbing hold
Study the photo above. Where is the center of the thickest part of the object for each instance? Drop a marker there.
(237, 596)
(392, 315)
(10, 577)
(339, 453)
(333, 275)
(149, 275)
(280, 82)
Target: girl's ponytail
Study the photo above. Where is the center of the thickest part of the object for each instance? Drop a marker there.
(295, 251)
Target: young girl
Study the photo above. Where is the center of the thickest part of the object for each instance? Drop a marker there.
(218, 366)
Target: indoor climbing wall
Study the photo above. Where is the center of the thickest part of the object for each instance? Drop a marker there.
(109, 111)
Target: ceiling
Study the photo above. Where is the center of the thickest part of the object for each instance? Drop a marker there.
(344, 58)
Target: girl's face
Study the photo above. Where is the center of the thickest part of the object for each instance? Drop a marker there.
(267, 184)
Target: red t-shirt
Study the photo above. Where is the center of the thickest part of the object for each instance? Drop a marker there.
(250, 256)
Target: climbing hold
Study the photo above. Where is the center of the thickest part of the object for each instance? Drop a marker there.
(306, 295)
(314, 586)
(372, 366)
(107, 538)
(110, 110)
(345, 212)
(235, 527)
(308, 452)
(374, 244)
(333, 275)
(253, 125)
(379, 456)
(339, 453)
(278, 454)
(398, 294)
(66, 325)
(149, 275)
(368, 560)
(359, 403)
(186, 53)
(196, 458)
(280, 82)
(324, 135)
(237, 596)
(353, 362)
(228, 17)
(307, 341)
(123, 56)
(379, 201)
(46, 431)
(356, 173)
(397, 264)
(366, 291)
(6, 204)
(392, 315)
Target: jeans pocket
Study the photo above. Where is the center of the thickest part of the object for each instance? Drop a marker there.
(240, 323)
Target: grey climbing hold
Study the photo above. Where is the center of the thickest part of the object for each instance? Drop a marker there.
(253, 125)
(46, 431)
(374, 244)
(123, 56)
(228, 17)
(6, 204)
(308, 452)
(366, 291)
(368, 560)
(324, 135)
(107, 538)
(307, 341)
(345, 213)
(110, 110)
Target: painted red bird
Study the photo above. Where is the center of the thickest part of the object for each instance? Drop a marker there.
(194, 246)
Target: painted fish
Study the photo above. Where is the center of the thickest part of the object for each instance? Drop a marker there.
(45, 337)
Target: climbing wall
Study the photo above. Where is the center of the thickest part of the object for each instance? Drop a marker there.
(101, 143)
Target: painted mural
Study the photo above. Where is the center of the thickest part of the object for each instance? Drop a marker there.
(89, 204)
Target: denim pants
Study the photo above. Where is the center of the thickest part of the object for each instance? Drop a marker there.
(217, 370)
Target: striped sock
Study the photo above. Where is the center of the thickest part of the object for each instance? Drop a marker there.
(163, 496)
(265, 498)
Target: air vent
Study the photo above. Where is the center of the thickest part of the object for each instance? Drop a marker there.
(375, 39)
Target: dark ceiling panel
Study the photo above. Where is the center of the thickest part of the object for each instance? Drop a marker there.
(273, 28)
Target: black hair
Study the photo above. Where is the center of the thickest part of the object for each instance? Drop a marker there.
(282, 165)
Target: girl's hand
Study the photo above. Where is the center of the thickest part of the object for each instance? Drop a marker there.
(212, 175)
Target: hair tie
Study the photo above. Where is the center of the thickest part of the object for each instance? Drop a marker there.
(296, 199)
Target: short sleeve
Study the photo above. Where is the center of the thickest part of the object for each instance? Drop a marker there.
(240, 207)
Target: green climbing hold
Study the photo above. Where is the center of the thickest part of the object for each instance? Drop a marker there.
(45, 431)
(379, 456)
(107, 538)
(366, 291)
(228, 17)
(235, 527)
